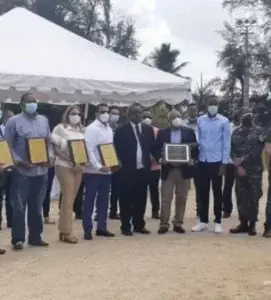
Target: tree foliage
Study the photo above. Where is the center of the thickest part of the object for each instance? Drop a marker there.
(166, 59)
(94, 20)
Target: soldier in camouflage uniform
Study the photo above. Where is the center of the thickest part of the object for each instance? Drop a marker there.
(246, 153)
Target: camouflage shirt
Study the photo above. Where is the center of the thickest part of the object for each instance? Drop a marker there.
(248, 143)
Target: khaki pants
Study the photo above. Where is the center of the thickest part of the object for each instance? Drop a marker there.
(69, 180)
(175, 181)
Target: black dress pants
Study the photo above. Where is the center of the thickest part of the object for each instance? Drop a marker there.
(47, 199)
(227, 190)
(114, 196)
(154, 190)
(196, 179)
(133, 198)
(6, 192)
(209, 173)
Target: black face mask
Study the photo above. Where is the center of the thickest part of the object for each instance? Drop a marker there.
(247, 120)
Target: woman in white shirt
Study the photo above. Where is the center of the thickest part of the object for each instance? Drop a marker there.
(69, 176)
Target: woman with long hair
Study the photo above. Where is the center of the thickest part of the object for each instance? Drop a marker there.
(69, 176)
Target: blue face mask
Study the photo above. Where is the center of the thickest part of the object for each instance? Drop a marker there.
(212, 110)
(31, 108)
(114, 118)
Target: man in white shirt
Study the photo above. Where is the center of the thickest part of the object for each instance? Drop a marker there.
(96, 176)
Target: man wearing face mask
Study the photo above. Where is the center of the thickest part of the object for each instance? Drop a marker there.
(155, 170)
(214, 139)
(114, 196)
(191, 122)
(246, 153)
(175, 177)
(96, 176)
(135, 143)
(29, 181)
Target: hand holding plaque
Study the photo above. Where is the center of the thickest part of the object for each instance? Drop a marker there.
(177, 153)
(37, 151)
(108, 155)
(78, 152)
(6, 159)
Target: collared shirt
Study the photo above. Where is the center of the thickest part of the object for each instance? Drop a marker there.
(175, 136)
(96, 134)
(214, 138)
(193, 125)
(155, 166)
(21, 127)
(139, 162)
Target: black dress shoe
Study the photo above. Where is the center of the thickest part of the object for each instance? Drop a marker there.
(252, 229)
(142, 231)
(40, 243)
(162, 230)
(18, 246)
(226, 215)
(88, 237)
(155, 215)
(2, 251)
(127, 233)
(178, 229)
(9, 225)
(114, 216)
(241, 228)
(105, 233)
(78, 217)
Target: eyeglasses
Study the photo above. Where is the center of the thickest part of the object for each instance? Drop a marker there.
(75, 114)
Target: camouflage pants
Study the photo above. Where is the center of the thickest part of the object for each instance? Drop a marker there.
(248, 190)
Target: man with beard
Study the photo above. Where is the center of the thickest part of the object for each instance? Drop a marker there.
(246, 154)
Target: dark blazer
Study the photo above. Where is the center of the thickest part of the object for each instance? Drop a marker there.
(187, 137)
(126, 146)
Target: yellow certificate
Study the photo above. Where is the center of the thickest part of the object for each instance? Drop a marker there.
(78, 152)
(6, 159)
(37, 151)
(108, 155)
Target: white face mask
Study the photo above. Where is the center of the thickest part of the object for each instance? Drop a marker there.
(74, 120)
(212, 110)
(104, 118)
(147, 121)
(176, 122)
(114, 119)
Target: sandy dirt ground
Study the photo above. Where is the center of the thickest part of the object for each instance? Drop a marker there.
(195, 266)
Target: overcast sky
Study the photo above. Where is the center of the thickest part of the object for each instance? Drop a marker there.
(190, 25)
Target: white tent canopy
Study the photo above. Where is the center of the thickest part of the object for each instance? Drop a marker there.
(61, 67)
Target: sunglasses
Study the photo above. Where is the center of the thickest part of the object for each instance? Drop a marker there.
(75, 114)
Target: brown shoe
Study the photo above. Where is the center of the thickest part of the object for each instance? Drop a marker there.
(2, 251)
(252, 229)
(178, 229)
(241, 228)
(162, 230)
(67, 238)
(267, 234)
(49, 221)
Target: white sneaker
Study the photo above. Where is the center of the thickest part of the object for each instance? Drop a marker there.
(200, 227)
(218, 228)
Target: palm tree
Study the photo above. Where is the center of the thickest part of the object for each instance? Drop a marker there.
(165, 58)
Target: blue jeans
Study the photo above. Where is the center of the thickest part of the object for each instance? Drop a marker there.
(268, 205)
(96, 185)
(30, 192)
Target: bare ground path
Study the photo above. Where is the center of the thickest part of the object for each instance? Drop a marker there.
(195, 266)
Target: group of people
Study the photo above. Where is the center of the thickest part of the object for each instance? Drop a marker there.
(218, 149)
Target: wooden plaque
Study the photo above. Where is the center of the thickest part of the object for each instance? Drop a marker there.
(108, 155)
(6, 159)
(177, 153)
(78, 152)
(37, 150)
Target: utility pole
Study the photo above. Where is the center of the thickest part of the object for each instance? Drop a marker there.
(245, 26)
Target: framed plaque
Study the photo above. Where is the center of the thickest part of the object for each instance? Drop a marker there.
(6, 159)
(177, 153)
(108, 155)
(78, 152)
(37, 151)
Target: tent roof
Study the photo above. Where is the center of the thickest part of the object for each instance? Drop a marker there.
(60, 66)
